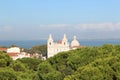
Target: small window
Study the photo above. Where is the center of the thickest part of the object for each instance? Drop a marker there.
(64, 43)
(50, 43)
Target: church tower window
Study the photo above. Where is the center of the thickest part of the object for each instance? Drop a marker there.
(50, 43)
(64, 43)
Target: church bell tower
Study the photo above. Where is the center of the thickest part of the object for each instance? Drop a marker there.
(50, 44)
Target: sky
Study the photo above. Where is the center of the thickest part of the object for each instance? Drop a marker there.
(36, 19)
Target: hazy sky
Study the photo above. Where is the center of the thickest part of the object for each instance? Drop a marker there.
(36, 19)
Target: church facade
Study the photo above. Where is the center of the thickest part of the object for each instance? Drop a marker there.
(62, 45)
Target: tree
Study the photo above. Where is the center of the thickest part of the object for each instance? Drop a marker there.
(5, 60)
(13, 45)
(30, 63)
(7, 74)
(88, 63)
(42, 49)
(18, 66)
(46, 72)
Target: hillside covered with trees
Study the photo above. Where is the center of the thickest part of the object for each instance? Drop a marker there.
(88, 63)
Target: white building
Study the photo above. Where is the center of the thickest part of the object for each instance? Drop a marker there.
(55, 47)
(15, 56)
(75, 44)
(15, 53)
(60, 46)
(13, 50)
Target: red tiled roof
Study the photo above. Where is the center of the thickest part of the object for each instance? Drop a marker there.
(12, 54)
(59, 42)
(31, 55)
(26, 54)
(3, 49)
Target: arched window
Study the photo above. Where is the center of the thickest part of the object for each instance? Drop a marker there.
(50, 43)
(64, 43)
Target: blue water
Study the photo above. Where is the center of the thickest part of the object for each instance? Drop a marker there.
(23, 44)
(100, 42)
(30, 43)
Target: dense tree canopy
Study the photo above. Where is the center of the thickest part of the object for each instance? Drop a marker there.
(40, 49)
(88, 63)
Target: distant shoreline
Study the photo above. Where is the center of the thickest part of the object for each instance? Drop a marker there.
(83, 42)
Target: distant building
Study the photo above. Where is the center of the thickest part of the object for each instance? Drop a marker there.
(62, 45)
(15, 56)
(13, 50)
(14, 53)
(55, 47)
(75, 44)
(3, 49)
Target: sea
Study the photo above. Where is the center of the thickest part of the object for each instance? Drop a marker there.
(84, 42)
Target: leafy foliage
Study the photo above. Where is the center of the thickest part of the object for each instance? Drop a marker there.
(7, 74)
(5, 60)
(88, 63)
(30, 63)
(40, 49)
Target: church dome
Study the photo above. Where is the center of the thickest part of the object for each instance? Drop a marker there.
(75, 42)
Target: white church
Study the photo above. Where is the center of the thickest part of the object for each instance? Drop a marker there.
(63, 45)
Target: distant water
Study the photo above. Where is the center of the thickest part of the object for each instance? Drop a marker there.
(30, 43)
(99, 42)
(23, 44)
